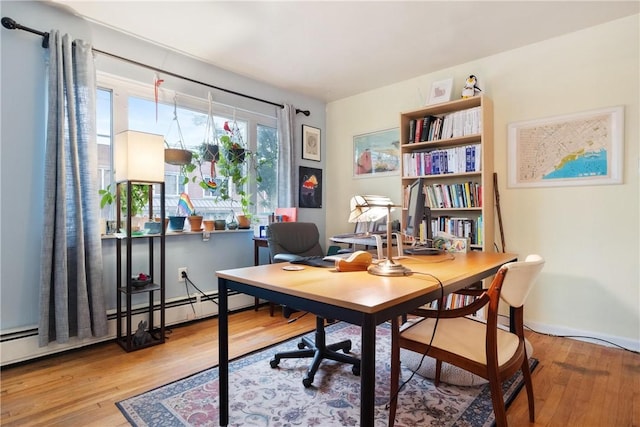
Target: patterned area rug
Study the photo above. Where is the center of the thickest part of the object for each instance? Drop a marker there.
(262, 396)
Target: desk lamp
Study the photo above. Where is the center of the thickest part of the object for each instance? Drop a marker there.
(364, 209)
(367, 208)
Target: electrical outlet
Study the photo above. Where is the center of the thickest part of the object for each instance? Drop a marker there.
(180, 271)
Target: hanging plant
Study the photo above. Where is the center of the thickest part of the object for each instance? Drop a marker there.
(209, 151)
(235, 163)
(178, 156)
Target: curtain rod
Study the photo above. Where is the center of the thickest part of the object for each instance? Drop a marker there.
(13, 25)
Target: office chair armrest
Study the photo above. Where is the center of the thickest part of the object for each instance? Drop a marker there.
(286, 257)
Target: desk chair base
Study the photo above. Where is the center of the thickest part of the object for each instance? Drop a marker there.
(319, 350)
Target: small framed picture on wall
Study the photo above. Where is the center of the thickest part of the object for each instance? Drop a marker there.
(310, 143)
(310, 187)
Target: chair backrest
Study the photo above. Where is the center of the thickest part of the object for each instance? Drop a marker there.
(519, 279)
(297, 238)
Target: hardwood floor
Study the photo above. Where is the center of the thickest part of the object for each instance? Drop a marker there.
(575, 384)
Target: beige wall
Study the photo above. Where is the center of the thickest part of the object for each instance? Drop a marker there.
(589, 235)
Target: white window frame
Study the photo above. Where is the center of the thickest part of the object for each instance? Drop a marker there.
(123, 88)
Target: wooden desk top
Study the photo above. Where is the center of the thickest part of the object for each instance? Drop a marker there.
(368, 293)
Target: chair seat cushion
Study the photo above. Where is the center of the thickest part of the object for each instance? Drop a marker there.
(461, 335)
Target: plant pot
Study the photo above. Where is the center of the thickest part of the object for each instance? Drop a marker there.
(153, 227)
(195, 222)
(210, 152)
(177, 156)
(244, 222)
(220, 224)
(236, 155)
(209, 224)
(111, 226)
(176, 223)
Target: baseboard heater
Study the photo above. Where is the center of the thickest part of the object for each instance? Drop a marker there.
(20, 345)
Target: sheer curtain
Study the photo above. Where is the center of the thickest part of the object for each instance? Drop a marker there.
(72, 301)
(285, 176)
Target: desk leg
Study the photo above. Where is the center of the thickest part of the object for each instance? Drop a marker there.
(367, 372)
(223, 351)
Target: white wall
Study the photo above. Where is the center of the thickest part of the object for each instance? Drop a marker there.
(589, 235)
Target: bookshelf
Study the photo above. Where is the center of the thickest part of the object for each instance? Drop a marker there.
(450, 146)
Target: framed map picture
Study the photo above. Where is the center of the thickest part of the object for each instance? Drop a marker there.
(577, 149)
(376, 154)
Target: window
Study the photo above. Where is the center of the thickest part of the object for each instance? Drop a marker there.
(104, 126)
(123, 104)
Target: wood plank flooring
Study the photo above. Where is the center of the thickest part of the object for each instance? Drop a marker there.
(575, 384)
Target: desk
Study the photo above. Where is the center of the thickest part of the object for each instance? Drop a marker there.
(358, 298)
(259, 242)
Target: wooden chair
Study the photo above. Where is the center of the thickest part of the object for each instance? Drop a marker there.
(480, 347)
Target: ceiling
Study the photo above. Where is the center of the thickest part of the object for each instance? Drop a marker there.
(334, 49)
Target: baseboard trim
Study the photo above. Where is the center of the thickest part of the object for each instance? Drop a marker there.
(586, 336)
(21, 345)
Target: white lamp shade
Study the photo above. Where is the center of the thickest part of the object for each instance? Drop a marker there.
(369, 208)
(139, 156)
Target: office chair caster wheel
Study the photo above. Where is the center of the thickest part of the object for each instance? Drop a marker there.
(274, 363)
(355, 370)
(306, 382)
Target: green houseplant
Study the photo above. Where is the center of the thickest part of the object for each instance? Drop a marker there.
(239, 165)
(139, 198)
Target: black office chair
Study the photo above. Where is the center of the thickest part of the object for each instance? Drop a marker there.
(289, 241)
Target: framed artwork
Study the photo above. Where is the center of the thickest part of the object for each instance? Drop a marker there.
(310, 187)
(310, 143)
(376, 154)
(440, 91)
(576, 149)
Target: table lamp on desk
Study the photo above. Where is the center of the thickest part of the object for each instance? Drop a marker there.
(367, 208)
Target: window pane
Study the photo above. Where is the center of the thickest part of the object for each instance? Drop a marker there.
(267, 170)
(104, 124)
(186, 128)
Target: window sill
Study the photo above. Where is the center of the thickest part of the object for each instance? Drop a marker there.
(181, 233)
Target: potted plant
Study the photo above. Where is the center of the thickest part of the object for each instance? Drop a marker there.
(139, 199)
(195, 221)
(237, 164)
(209, 152)
(178, 154)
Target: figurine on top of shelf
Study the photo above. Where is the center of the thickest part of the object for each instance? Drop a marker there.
(471, 87)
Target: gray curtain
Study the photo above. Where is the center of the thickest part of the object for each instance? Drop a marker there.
(286, 157)
(71, 294)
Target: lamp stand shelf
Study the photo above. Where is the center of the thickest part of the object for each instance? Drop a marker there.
(149, 333)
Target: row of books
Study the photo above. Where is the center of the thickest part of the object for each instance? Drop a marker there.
(459, 195)
(459, 227)
(452, 125)
(453, 301)
(465, 158)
